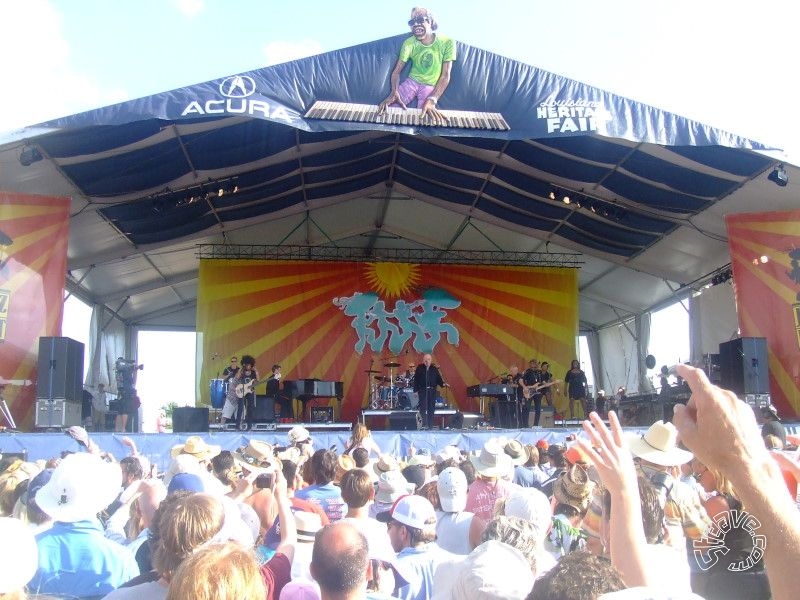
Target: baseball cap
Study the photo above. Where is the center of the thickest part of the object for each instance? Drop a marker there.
(413, 511)
(452, 487)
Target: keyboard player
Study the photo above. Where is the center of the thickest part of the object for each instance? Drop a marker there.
(514, 378)
(431, 56)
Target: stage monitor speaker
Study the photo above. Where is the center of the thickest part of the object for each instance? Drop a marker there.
(187, 419)
(404, 420)
(546, 419)
(264, 409)
(506, 414)
(744, 366)
(60, 369)
(321, 414)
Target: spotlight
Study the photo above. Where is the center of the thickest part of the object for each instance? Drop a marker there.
(593, 208)
(30, 155)
(552, 195)
(764, 259)
(578, 203)
(566, 200)
(779, 176)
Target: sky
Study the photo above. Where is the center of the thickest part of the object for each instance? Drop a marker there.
(724, 63)
(728, 64)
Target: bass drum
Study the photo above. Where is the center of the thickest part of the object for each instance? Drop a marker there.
(408, 399)
(219, 389)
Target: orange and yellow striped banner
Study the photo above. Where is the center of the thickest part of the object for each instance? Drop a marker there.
(765, 255)
(34, 232)
(337, 321)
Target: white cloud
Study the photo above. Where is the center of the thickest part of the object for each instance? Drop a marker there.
(283, 51)
(37, 70)
(189, 8)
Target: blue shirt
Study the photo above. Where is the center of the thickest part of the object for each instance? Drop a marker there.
(419, 564)
(327, 496)
(77, 559)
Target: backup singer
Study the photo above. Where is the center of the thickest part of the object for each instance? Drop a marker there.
(426, 379)
(576, 387)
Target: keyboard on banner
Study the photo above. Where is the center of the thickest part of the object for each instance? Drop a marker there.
(368, 113)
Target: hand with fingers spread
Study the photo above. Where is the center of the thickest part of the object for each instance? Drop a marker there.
(607, 448)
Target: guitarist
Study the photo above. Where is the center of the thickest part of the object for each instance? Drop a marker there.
(247, 403)
(533, 377)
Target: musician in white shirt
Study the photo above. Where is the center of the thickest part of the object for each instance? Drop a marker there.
(231, 401)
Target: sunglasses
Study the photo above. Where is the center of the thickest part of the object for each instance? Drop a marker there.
(418, 21)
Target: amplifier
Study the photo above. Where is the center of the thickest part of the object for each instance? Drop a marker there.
(57, 413)
(546, 419)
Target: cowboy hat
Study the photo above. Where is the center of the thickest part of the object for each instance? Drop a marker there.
(256, 457)
(493, 461)
(299, 434)
(197, 447)
(659, 445)
(384, 464)
(80, 487)
(516, 452)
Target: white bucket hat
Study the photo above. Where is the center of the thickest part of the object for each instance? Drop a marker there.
(493, 461)
(81, 486)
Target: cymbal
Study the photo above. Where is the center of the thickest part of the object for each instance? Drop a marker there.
(371, 371)
(391, 365)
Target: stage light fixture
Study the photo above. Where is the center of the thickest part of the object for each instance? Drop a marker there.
(552, 195)
(566, 199)
(779, 176)
(29, 155)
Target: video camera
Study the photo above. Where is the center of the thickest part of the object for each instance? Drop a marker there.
(123, 364)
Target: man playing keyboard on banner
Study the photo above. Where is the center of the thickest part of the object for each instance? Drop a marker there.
(431, 57)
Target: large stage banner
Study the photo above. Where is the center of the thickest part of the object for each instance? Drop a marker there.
(348, 321)
(765, 255)
(34, 232)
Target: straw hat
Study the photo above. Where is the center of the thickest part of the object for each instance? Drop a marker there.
(197, 447)
(574, 488)
(80, 487)
(299, 434)
(659, 445)
(344, 463)
(384, 464)
(308, 524)
(392, 485)
(257, 456)
(493, 461)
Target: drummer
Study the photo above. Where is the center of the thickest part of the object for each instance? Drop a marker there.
(231, 401)
(409, 374)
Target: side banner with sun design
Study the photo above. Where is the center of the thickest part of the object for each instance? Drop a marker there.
(765, 255)
(349, 321)
(34, 232)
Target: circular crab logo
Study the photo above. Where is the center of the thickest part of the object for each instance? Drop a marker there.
(726, 527)
(237, 86)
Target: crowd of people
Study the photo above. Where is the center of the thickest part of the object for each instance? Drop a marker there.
(697, 507)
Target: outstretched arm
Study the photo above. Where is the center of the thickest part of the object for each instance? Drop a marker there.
(394, 95)
(722, 432)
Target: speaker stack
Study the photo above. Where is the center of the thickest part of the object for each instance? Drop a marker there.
(186, 419)
(60, 369)
(744, 366)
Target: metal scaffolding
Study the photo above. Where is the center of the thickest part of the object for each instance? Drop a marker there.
(402, 255)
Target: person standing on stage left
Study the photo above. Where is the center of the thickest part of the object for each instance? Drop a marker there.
(426, 379)
(247, 403)
(516, 379)
(532, 377)
(231, 401)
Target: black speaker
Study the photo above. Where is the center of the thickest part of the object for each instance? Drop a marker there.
(60, 369)
(406, 420)
(189, 419)
(744, 366)
(264, 410)
(506, 414)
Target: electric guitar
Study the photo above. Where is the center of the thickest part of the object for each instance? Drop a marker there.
(529, 390)
(243, 389)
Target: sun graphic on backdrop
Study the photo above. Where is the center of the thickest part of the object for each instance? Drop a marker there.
(392, 280)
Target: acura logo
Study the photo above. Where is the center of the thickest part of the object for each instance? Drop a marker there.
(237, 86)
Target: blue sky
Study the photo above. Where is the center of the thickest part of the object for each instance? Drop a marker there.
(727, 64)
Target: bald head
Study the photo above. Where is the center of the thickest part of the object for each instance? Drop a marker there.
(339, 559)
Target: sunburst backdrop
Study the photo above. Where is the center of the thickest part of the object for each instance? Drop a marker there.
(32, 269)
(765, 254)
(337, 321)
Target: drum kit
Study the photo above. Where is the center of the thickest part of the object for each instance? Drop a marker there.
(390, 391)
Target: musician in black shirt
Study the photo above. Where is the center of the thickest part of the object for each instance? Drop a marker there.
(532, 377)
(516, 379)
(246, 394)
(274, 391)
(426, 379)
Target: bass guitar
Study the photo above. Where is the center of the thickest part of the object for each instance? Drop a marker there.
(529, 390)
(242, 389)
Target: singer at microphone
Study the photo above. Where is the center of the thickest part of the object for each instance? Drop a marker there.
(427, 378)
